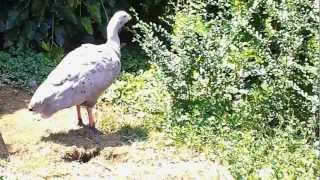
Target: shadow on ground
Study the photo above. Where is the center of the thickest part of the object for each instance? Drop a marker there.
(12, 100)
(85, 138)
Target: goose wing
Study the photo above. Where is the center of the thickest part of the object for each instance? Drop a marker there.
(80, 77)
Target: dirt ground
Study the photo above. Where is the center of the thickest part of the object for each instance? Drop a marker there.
(57, 148)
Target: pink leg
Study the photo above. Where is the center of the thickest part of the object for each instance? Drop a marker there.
(91, 119)
(80, 123)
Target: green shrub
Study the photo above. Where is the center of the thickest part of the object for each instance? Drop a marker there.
(25, 68)
(133, 60)
(237, 67)
(231, 73)
(249, 153)
(134, 101)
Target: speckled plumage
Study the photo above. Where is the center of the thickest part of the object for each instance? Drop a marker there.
(81, 76)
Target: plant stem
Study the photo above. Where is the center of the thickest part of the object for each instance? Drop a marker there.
(104, 10)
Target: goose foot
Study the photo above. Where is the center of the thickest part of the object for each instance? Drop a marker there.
(95, 130)
(80, 123)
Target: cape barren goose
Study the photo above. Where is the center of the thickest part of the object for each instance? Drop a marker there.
(82, 75)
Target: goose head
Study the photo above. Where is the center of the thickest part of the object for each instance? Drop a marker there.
(117, 21)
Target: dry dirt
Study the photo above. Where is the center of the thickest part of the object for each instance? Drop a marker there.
(57, 148)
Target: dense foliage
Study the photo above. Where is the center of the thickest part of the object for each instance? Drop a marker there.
(63, 23)
(242, 74)
(25, 68)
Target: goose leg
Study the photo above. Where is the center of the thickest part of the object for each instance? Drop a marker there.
(92, 122)
(80, 123)
(91, 119)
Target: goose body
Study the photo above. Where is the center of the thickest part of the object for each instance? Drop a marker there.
(82, 75)
(78, 80)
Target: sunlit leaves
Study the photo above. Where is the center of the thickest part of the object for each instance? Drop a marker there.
(254, 69)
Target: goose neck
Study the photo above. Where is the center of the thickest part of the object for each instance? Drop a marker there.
(113, 34)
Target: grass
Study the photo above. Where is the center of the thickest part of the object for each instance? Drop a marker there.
(130, 134)
(129, 151)
(33, 163)
(251, 154)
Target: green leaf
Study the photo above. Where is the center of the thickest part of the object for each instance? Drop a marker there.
(45, 46)
(69, 15)
(29, 30)
(86, 23)
(37, 7)
(24, 15)
(71, 3)
(94, 11)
